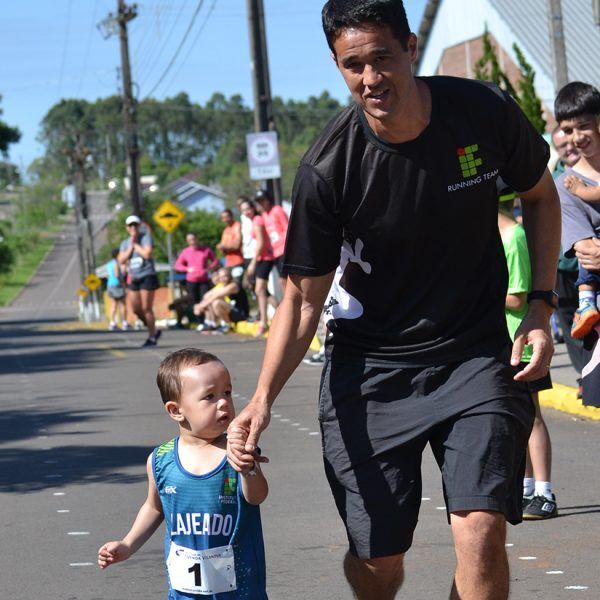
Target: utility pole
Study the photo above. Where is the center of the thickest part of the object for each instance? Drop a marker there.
(78, 156)
(557, 45)
(108, 27)
(261, 82)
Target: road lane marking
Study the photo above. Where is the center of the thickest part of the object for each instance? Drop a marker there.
(527, 557)
(577, 587)
(78, 533)
(113, 351)
(554, 572)
(81, 564)
(63, 511)
(58, 494)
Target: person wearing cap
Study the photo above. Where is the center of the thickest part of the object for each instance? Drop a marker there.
(136, 253)
(276, 225)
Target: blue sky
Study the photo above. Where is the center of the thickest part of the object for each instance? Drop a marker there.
(53, 50)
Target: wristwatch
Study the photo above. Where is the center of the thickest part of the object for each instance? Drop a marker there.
(550, 297)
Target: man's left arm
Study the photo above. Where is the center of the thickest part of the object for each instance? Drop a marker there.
(541, 220)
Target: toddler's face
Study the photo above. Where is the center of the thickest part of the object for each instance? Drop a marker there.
(206, 401)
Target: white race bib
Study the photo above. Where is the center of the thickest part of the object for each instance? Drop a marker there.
(201, 572)
(136, 262)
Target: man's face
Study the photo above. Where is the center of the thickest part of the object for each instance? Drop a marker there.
(584, 133)
(191, 239)
(226, 217)
(565, 148)
(376, 69)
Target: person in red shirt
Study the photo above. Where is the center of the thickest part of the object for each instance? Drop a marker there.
(231, 245)
(276, 224)
(196, 261)
(262, 263)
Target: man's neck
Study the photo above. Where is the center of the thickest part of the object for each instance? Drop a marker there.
(411, 122)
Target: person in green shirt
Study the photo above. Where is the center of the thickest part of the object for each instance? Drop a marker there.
(539, 502)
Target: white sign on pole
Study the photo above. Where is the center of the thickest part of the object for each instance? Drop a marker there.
(263, 155)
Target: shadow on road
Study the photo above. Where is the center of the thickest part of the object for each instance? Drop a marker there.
(584, 509)
(27, 470)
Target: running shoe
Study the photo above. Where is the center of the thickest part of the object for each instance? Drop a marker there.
(584, 319)
(316, 359)
(203, 327)
(526, 501)
(540, 508)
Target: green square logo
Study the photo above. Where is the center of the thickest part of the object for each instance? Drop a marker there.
(229, 486)
(468, 161)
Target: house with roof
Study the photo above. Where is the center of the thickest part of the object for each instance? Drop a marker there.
(191, 195)
(450, 40)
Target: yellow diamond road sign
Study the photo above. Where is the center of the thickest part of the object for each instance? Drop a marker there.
(92, 282)
(168, 216)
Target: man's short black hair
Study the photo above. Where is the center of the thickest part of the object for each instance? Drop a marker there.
(576, 99)
(343, 14)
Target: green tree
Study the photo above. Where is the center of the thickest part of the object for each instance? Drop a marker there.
(487, 68)
(528, 99)
(8, 135)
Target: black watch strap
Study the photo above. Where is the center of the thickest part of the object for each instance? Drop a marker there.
(550, 297)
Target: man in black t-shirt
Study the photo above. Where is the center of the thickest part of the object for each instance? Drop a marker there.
(394, 230)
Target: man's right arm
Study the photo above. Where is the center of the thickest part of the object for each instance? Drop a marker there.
(290, 335)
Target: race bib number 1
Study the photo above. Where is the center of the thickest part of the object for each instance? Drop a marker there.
(201, 572)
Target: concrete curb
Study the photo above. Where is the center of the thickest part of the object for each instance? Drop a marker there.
(564, 398)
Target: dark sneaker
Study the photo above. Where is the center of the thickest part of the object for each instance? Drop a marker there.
(541, 507)
(526, 501)
(584, 320)
(149, 342)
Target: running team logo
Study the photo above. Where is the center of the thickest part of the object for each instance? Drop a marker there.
(468, 161)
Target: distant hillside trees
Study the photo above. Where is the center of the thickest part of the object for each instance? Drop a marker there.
(176, 133)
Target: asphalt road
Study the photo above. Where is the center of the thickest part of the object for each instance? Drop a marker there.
(81, 412)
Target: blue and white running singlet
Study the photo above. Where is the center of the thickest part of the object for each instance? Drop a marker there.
(213, 538)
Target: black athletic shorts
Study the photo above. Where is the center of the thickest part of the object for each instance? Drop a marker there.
(149, 282)
(376, 421)
(263, 269)
(539, 385)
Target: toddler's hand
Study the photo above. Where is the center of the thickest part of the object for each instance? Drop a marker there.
(111, 553)
(573, 184)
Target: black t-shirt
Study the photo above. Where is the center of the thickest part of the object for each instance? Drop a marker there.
(412, 228)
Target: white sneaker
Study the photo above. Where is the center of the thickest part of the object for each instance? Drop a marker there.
(112, 326)
(125, 326)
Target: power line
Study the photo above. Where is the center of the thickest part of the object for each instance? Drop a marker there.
(64, 52)
(88, 46)
(150, 56)
(198, 8)
(210, 11)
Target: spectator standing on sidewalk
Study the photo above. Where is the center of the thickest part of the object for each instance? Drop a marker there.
(116, 291)
(568, 267)
(539, 502)
(136, 252)
(577, 110)
(231, 245)
(196, 261)
(419, 351)
(261, 264)
(248, 243)
(276, 224)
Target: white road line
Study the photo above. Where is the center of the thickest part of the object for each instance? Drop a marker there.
(440, 508)
(314, 433)
(554, 572)
(424, 498)
(63, 511)
(508, 545)
(58, 494)
(78, 533)
(527, 557)
(296, 424)
(276, 415)
(577, 587)
(285, 420)
(81, 564)
(302, 428)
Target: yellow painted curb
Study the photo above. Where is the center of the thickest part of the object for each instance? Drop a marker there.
(564, 398)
